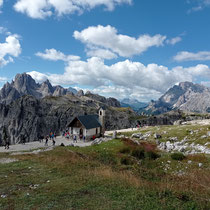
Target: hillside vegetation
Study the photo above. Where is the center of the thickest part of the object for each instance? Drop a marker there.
(118, 174)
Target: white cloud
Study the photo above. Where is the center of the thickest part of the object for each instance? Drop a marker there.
(107, 37)
(189, 56)
(1, 3)
(101, 53)
(39, 77)
(10, 48)
(124, 79)
(174, 40)
(43, 8)
(54, 55)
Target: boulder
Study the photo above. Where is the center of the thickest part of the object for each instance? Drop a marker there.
(157, 136)
(137, 135)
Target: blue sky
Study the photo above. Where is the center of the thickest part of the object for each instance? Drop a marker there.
(119, 48)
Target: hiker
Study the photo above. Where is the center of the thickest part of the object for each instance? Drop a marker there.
(41, 138)
(75, 139)
(24, 140)
(7, 143)
(46, 141)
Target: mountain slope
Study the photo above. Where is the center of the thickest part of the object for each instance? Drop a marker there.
(33, 117)
(185, 96)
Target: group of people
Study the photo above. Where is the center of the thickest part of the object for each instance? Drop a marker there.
(67, 135)
(52, 137)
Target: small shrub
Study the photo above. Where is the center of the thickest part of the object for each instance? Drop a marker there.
(178, 156)
(107, 158)
(138, 153)
(125, 150)
(125, 161)
(152, 155)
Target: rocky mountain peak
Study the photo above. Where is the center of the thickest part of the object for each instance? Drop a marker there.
(80, 93)
(23, 83)
(186, 96)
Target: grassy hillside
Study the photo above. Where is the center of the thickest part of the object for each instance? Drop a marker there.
(114, 175)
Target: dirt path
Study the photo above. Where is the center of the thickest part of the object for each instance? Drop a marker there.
(122, 130)
(41, 145)
(199, 122)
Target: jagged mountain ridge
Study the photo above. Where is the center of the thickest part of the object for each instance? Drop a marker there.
(186, 96)
(24, 84)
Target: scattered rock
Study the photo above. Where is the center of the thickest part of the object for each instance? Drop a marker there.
(203, 137)
(173, 139)
(3, 196)
(200, 164)
(157, 136)
(178, 122)
(136, 135)
(100, 140)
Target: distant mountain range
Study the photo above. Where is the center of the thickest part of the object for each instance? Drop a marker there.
(133, 103)
(186, 96)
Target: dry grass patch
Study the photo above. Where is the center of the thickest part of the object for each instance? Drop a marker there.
(201, 158)
(123, 176)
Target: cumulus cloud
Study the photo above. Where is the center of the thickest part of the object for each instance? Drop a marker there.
(124, 79)
(1, 3)
(189, 56)
(54, 55)
(41, 9)
(101, 53)
(107, 37)
(9, 49)
(174, 40)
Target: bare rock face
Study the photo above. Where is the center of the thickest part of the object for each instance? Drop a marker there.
(80, 93)
(186, 96)
(24, 84)
(109, 101)
(32, 110)
(32, 118)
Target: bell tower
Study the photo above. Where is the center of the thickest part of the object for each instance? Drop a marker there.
(101, 117)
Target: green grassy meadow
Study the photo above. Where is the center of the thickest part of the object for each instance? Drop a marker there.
(113, 175)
